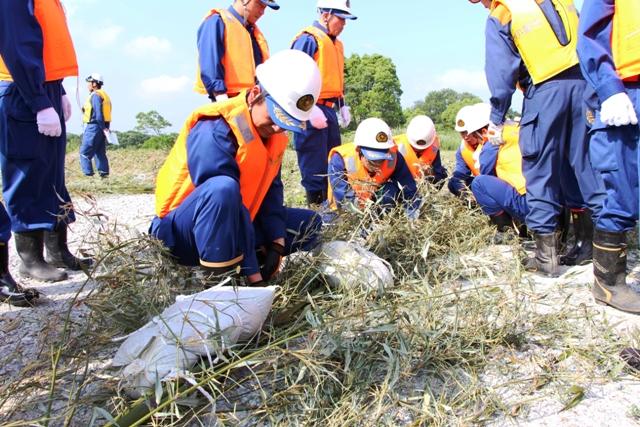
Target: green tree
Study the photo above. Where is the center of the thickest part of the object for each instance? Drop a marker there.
(436, 102)
(151, 121)
(373, 89)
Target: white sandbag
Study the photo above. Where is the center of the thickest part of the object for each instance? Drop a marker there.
(349, 265)
(196, 325)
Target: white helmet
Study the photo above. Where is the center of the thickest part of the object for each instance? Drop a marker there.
(374, 138)
(292, 82)
(421, 132)
(95, 77)
(471, 118)
(340, 8)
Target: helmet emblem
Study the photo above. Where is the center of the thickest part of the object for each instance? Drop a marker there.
(348, 3)
(382, 137)
(461, 123)
(305, 103)
(590, 117)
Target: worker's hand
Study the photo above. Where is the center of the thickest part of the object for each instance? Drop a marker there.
(345, 116)
(49, 122)
(221, 97)
(318, 119)
(272, 260)
(495, 134)
(617, 110)
(66, 108)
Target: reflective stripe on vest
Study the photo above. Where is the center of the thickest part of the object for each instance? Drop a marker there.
(58, 53)
(536, 41)
(471, 157)
(417, 165)
(330, 59)
(509, 163)
(106, 106)
(625, 38)
(239, 65)
(259, 162)
(358, 177)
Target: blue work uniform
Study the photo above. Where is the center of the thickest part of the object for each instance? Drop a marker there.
(614, 150)
(212, 225)
(462, 176)
(211, 51)
(32, 164)
(313, 145)
(553, 136)
(400, 187)
(493, 194)
(94, 141)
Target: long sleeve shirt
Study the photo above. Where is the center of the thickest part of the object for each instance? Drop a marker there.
(97, 113)
(211, 151)
(211, 50)
(504, 67)
(462, 176)
(21, 48)
(489, 159)
(439, 171)
(594, 48)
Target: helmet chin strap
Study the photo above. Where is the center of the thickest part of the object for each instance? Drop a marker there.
(245, 13)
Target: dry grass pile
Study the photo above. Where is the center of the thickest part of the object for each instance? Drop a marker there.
(448, 344)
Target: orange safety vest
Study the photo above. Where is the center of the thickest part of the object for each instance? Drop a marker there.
(417, 165)
(625, 38)
(363, 184)
(330, 59)
(58, 53)
(509, 163)
(537, 43)
(259, 162)
(239, 65)
(471, 157)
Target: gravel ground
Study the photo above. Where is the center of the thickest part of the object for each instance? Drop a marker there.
(24, 331)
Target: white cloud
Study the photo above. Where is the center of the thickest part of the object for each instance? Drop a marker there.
(106, 36)
(148, 46)
(164, 85)
(473, 81)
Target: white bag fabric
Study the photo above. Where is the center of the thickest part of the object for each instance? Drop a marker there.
(196, 325)
(349, 265)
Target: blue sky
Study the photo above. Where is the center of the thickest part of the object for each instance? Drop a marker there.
(146, 50)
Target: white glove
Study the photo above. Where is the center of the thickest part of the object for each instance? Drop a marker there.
(617, 110)
(345, 115)
(222, 97)
(49, 122)
(317, 118)
(66, 108)
(494, 134)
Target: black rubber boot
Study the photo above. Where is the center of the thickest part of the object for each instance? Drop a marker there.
(582, 250)
(10, 291)
(58, 253)
(30, 245)
(564, 226)
(315, 198)
(502, 222)
(545, 260)
(610, 272)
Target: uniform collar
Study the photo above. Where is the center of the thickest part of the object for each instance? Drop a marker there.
(239, 17)
(324, 30)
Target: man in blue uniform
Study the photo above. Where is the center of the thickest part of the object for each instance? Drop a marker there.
(219, 196)
(36, 53)
(97, 119)
(320, 41)
(610, 60)
(541, 60)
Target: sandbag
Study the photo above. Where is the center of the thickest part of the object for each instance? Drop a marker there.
(347, 264)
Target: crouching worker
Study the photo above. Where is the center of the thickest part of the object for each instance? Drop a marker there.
(467, 157)
(420, 147)
(219, 196)
(370, 169)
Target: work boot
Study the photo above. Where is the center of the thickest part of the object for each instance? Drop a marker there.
(315, 198)
(11, 292)
(564, 225)
(610, 272)
(582, 250)
(632, 357)
(58, 253)
(30, 245)
(502, 222)
(545, 260)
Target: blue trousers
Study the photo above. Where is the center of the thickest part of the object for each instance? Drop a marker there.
(213, 228)
(614, 151)
(32, 164)
(94, 144)
(554, 143)
(495, 196)
(313, 147)
(5, 225)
